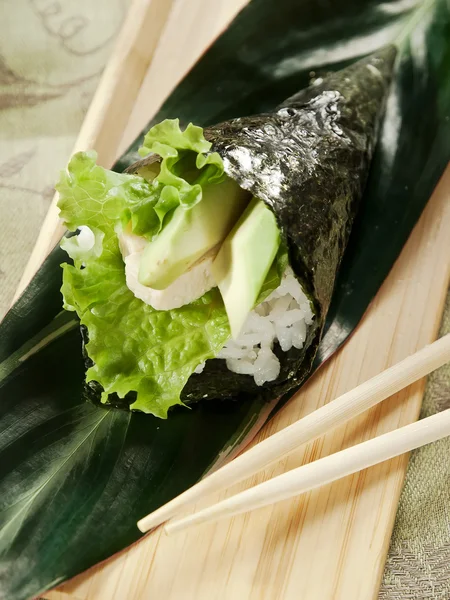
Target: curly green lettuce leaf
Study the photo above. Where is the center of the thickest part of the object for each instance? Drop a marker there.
(169, 135)
(95, 197)
(185, 166)
(135, 348)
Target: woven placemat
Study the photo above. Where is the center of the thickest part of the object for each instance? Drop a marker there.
(418, 564)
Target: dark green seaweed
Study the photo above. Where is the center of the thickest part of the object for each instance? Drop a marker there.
(309, 161)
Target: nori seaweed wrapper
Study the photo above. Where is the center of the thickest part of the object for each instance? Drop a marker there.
(308, 161)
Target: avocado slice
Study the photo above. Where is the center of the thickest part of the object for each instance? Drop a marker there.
(191, 233)
(242, 264)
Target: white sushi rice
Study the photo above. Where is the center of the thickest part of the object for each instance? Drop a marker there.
(283, 317)
(85, 238)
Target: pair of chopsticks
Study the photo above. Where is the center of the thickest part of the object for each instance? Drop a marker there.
(324, 470)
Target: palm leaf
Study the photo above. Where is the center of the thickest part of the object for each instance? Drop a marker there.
(74, 477)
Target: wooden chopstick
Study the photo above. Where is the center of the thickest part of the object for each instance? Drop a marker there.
(323, 471)
(309, 428)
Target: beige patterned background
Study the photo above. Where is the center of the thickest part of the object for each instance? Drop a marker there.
(52, 53)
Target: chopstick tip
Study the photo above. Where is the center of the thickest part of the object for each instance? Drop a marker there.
(142, 526)
(149, 522)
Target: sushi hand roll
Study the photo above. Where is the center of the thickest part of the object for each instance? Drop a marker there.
(207, 269)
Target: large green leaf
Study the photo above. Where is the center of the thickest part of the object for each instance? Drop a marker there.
(74, 477)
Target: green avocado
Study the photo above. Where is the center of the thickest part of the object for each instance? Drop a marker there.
(242, 264)
(191, 233)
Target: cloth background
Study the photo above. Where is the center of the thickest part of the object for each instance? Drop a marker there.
(52, 53)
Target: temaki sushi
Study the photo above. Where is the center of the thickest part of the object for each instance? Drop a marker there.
(206, 270)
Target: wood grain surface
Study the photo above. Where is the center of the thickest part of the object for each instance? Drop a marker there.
(329, 544)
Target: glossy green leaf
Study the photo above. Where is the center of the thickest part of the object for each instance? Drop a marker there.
(75, 477)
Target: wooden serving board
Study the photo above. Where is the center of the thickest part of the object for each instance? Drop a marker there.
(327, 544)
